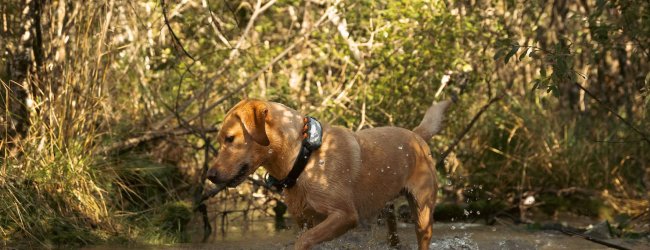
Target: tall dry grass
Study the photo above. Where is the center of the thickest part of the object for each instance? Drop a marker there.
(56, 188)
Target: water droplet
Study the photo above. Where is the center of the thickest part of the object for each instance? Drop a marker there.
(388, 166)
(400, 147)
(478, 212)
(466, 212)
(382, 170)
(270, 151)
(322, 162)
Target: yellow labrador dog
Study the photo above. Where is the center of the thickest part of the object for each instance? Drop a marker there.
(349, 177)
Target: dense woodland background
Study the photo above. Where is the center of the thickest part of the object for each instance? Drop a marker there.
(108, 106)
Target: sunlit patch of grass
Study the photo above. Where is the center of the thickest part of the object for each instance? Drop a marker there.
(52, 197)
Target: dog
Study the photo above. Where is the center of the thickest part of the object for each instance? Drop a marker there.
(350, 177)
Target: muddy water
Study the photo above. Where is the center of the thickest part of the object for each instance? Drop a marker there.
(263, 235)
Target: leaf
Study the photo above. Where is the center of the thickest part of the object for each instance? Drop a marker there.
(553, 90)
(512, 52)
(523, 55)
(498, 54)
(535, 85)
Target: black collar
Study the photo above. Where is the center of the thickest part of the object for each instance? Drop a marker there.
(312, 138)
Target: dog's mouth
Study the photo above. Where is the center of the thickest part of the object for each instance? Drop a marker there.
(241, 175)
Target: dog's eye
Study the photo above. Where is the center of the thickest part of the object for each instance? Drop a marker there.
(230, 139)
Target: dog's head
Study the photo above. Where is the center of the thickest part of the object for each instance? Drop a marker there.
(244, 143)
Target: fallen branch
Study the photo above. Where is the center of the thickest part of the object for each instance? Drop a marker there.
(119, 147)
(592, 239)
(563, 229)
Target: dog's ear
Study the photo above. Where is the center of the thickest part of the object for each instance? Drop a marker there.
(253, 116)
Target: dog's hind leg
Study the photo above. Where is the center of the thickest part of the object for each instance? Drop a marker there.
(391, 222)
(421, 196)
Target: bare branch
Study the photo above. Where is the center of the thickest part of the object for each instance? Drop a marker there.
(626, 122)
(258, 10)
(273, 61)
(148, 136)
(176, 40)
(441, 160)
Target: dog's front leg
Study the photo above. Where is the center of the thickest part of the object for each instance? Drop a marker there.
(336, 223)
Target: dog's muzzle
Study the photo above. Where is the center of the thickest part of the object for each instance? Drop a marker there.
(213, 176)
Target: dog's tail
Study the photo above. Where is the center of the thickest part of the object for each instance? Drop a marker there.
(432, 122)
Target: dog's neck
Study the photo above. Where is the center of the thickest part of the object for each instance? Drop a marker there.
(286, 139)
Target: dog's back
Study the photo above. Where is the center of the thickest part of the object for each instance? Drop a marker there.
(391, 157)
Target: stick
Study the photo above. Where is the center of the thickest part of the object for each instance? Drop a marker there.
(176, 40)
(592, 239)
(626, 122)
(462, 134)
(148, 136)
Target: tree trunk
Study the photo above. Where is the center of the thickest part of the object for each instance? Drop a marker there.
(25, 59)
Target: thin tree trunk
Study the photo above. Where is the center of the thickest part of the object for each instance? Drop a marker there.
(26, 57)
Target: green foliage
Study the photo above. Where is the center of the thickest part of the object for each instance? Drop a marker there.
(114, 74)
(173, 219)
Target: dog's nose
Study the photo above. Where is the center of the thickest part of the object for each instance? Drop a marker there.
(212, 175)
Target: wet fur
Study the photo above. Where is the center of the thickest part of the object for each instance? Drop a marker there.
(351, 177)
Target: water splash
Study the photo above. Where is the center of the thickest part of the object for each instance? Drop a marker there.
(457, 242)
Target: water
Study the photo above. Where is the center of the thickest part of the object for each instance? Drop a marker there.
(465, 236)
(263, 235)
